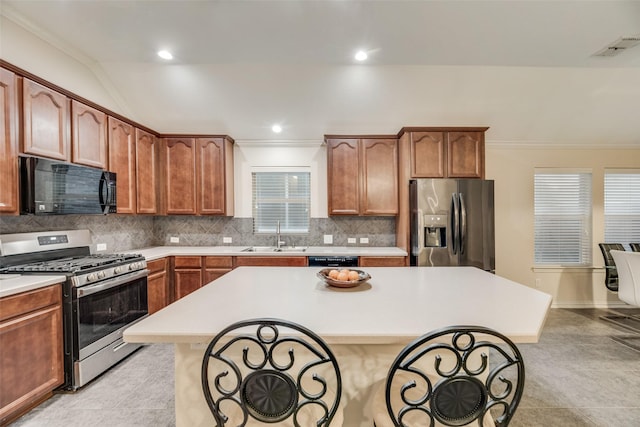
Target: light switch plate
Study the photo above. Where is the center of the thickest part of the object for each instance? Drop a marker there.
(227, 240)
(351, 240)
(364, 240)
(174, 239)
(328, 239)
(101, 247)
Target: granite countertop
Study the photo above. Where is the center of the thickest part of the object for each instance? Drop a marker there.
(393, 307)
(164, 251)
(11, 284)
(14, 283)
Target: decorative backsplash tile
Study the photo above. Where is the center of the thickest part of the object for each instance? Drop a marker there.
(125, 232)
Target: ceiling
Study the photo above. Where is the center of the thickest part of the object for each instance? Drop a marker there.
(524, 68)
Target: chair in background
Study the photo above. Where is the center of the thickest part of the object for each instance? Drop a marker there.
(454, 376)
(611, 274)
(628, 265)
(265, 371)
(635, 247)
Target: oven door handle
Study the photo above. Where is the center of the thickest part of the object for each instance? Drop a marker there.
(111, 283)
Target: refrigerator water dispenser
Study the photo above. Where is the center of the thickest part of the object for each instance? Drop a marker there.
(435, 231)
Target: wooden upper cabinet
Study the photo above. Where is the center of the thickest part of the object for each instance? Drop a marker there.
(465, 154)
(122, 161)
(46, 122)
(179, 162)
(148, 179)
(214, 183)
(362, 176)
(427, 155)
(343, 176)
(88, 136)
(9, 144)
(446, 152)
(379, 176)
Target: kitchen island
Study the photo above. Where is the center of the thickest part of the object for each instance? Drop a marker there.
(365, 326)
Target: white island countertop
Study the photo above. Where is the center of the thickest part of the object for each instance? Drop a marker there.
(395, 306)
(152, 253)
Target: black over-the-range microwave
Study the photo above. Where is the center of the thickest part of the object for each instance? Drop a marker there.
(51, 187)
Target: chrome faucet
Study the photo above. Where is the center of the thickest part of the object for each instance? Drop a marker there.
(279, 242)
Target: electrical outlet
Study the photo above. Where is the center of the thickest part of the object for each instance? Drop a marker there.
(364, 240)
(101, 247)
(328, 239)
(174, 239)
(351, 240)
(227, 240)
(537, 283)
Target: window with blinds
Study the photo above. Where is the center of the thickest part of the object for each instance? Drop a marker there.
(622, 206)
(562, 218)
(281, 196)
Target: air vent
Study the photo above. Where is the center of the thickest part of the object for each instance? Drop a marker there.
(619, 46)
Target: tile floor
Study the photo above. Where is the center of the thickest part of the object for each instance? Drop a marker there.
(575, 376)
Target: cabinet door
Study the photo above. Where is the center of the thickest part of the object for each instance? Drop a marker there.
(46, 122)
(9, 144)
(187, 280)
(180, 166)
(147, 173)
(465, 153)
(31, 355)
(157, 285)
(122, 161)
(427, 155)
(210, 170)
(379, 174)
(343, 177)
(387, 261)
(88, 136)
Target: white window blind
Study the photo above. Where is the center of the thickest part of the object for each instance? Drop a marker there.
(562, 218)
(281, 196)
(622, 206)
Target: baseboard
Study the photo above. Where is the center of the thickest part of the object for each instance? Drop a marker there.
(589, 305)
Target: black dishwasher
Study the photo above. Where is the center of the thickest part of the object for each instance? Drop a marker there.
(333, 261)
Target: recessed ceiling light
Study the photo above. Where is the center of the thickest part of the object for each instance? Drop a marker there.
(276, 128)
(165, 54)
(361, 55)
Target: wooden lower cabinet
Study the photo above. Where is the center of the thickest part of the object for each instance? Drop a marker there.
(271, 261)
(157, 285)
(190, 273)
(31, 350)
(216, 266)
(381, 261)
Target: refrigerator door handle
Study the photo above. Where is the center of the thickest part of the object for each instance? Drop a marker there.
(455, 223)
(463, 224)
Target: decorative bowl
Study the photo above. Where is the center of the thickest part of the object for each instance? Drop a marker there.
(324, 275)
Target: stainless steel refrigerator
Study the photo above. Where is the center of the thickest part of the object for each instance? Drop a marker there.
(452, 223)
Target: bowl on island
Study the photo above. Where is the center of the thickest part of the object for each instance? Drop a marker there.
(324, 274)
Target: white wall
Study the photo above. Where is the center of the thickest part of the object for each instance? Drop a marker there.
(512, 168)
(31, 53)
(279, 156)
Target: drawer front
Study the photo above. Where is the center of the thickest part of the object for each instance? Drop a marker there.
(271, 261)
(157, 265)
(218, 261)
(27, 302)
(374, 261)
(187, 262)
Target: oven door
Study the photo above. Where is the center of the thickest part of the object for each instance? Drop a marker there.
(103, 310)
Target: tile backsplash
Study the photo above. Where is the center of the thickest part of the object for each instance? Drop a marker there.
(125, 232)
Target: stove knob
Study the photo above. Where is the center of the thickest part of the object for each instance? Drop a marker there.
(133, 265)
(116, 270)
(91, 277)
(101, 274)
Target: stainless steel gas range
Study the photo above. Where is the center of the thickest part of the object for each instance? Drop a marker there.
(103, 295)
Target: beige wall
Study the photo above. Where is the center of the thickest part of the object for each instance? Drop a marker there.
(512, 168)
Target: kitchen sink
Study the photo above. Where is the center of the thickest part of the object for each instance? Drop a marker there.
(274, 249)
